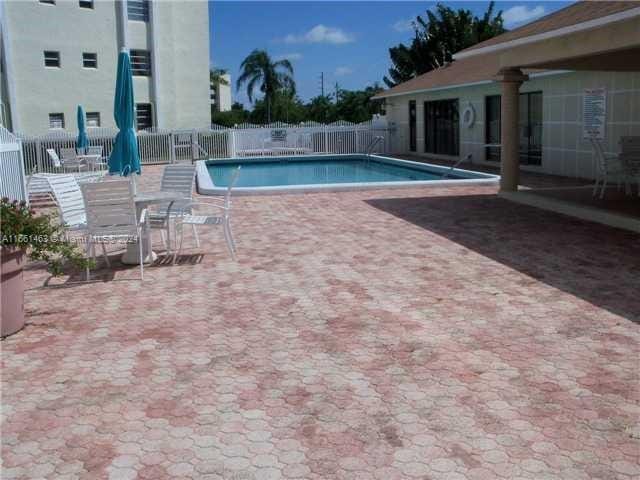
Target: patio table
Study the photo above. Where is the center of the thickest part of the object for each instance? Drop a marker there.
(89, 160)
(143, 200)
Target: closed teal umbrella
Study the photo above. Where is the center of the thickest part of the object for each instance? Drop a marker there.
(83, 140)
(124, 157)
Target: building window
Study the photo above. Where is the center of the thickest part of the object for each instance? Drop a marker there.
(442, 127)
(138, 10)
(56, 120)
(529, 127)
(90, 60)
(86, 4)
(140, 63)
(144, 116)
(51, 59)
(48, 2)
(93, 119)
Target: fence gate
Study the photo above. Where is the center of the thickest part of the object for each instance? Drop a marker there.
(12, 177)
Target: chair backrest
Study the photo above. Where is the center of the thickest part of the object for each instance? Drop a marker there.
(95, 150)
(69, 198)
(630, 147)
(178, 178)
(68, 153)
(600, 157)
(232, 183)
(54, 157)
(110, 208)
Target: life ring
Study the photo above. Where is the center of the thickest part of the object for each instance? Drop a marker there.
(468, 116)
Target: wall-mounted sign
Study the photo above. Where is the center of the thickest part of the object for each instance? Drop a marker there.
(594, 113)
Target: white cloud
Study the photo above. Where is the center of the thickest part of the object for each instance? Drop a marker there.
(342, 71)
(521, 14)
(292, 57)
(321, 34)
(403, 25)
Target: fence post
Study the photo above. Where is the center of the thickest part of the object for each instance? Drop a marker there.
(326, 139)
(232, 138)
(38, 156)
(194, 146)
(357, 140)
(172, 148)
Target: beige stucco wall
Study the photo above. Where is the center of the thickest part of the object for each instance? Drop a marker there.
(183, 32)
(181, 42)
(35, 27)
(564, 150)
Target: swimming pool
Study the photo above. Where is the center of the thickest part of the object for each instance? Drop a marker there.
(327, 173)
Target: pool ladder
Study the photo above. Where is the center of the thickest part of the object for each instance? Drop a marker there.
(372, 144)
(455, 165)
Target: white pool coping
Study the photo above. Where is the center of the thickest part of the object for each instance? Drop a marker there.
(206, 186)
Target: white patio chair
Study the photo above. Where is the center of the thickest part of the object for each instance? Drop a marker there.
(195, 214)
(65, 164)
(97, 150)
(630, 157)
(68, 197)
(608, 168)
(175, 178)
(111, 216)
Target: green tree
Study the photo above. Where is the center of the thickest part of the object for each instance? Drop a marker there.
(321, 109)
(356, 106)
(235, 116)
(437, 37)
(258, 70)
(216, 76)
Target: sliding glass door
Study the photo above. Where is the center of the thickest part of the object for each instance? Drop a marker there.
(529, 127)
(412, 125)
(442, 127)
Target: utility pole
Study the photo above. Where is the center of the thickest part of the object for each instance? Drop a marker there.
(337, 91)
(322, 84)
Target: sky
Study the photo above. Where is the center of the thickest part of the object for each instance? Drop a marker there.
(347, 41)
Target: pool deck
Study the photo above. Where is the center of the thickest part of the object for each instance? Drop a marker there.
(434, 333)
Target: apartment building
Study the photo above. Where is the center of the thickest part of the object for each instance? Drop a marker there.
(221, 94)
(57, 54)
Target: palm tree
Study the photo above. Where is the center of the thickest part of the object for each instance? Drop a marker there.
(259, 70)
(216, 75)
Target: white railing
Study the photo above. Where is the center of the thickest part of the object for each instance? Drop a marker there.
(169, 146)
(12, 176)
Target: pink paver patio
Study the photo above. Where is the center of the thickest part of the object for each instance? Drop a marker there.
(433, 334)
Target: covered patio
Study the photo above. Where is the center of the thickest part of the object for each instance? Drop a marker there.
(587, 36)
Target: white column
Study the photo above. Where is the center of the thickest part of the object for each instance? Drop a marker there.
(155, 79)
(511, 79)
(7, 57)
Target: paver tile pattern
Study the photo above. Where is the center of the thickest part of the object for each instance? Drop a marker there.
(429, 333)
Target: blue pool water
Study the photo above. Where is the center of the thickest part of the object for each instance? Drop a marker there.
(296, 171)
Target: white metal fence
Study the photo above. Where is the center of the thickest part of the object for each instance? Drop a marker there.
(169, 146)
(12, 175)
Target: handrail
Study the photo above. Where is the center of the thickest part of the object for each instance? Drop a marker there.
(377, 139)
(455, 165)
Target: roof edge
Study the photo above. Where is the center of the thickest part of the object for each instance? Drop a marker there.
(578, 27)
(381, 96)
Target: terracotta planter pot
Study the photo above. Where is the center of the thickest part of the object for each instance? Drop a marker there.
(12, 287)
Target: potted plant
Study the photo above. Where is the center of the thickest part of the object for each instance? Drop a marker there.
(25, 233)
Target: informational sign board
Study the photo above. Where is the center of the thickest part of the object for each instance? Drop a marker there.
(594, 113)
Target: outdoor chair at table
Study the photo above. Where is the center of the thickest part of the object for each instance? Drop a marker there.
(65, 163)
(630, 156)
(217, 211)
(609, 168)
(111, 216)
(178, 179)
